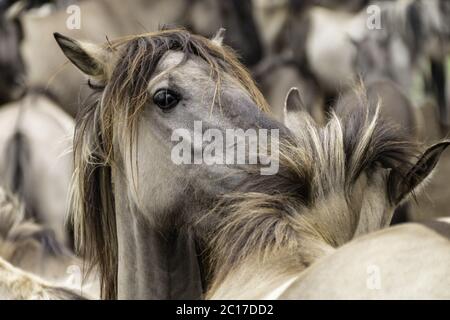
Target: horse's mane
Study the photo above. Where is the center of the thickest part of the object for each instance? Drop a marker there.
(309, 194)
(93, 214)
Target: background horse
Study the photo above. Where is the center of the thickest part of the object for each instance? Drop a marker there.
(36, 161)
(414, 40)
(411, 33)
(33, 248)
(395, 108)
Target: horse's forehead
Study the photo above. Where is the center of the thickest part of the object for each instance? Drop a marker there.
(172, 59)
(169, 60)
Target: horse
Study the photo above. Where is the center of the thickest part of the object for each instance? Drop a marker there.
(147, 220)
(160, 260)
(407, 261)
(394, 107)
(112, 18)
(34, 249)
(267, 245)
(36, 162)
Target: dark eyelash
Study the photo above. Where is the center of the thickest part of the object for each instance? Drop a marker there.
(94, 86)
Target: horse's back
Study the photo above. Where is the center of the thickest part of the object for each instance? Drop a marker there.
(409, 261)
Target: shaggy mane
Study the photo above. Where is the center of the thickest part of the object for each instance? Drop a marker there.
(268, 213)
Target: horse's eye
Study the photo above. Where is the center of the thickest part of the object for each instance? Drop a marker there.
(166, 99)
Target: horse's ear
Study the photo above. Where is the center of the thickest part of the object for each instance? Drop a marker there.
(421, 170)
(294, 102)
(218, 38)
(89, 58)
(295, 111)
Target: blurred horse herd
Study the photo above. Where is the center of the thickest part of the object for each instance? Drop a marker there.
(325, 48)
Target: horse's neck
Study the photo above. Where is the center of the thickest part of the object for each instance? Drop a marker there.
(154, 265)
(257, 278)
